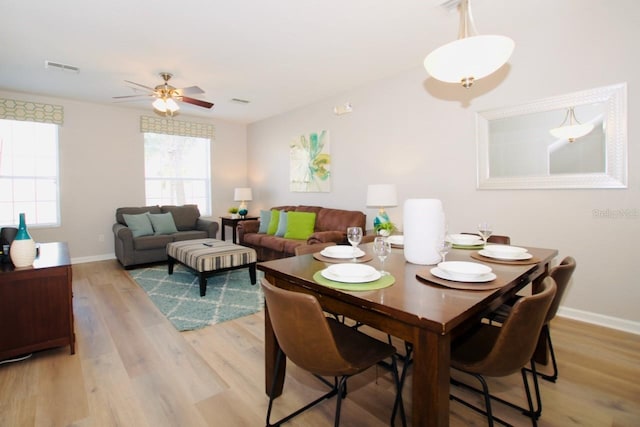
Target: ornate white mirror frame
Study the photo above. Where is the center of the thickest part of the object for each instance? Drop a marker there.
(611, 125)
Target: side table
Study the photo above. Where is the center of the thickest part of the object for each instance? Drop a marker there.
(227, 221)
(36, 308)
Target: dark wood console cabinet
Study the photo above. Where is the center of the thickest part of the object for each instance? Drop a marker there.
(36, 308)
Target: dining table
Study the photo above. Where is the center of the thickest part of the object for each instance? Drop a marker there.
(417, 307)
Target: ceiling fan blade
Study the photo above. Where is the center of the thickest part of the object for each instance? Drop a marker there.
(191, 90)
(132, 96)
(197, 102)
(142, 86)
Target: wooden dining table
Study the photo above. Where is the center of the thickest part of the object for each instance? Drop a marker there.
(416, 308)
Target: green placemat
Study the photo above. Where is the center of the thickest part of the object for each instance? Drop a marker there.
(474, 247)
(382, 282)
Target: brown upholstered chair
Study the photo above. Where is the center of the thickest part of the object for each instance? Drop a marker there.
(496, 238)
(322, 346)
(497, 351)
(561, 274)
(312, 249)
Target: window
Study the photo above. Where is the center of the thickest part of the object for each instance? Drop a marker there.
(177, 170)
(29, 179)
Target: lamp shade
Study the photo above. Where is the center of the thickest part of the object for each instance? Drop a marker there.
(571, 129)
(381, 195)
(242, 194)
(468, 59)
(163, 105)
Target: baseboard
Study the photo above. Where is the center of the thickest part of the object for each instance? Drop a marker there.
(600, 320)
(103, 257)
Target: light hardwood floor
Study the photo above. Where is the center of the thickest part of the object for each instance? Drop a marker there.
(132, 368)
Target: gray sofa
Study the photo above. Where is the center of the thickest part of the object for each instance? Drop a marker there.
(132, 251)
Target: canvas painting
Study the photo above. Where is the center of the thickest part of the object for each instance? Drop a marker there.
(310, 163)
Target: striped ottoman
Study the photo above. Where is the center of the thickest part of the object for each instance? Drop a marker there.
(209, 256)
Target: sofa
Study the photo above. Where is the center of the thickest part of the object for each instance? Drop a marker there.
(136, 244)
(330, 226)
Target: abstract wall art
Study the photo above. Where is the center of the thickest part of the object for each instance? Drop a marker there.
(310, 163)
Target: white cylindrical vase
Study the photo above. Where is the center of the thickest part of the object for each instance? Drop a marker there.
(424, 226)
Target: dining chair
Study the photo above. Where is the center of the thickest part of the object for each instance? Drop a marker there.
(498, 351)
(311, 249)
(562, 275)
(322, 346)
(495, 238)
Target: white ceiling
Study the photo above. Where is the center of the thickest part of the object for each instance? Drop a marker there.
(278, 54)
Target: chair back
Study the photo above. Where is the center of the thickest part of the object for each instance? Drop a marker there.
(561, 274)
(494, 238)
(302, 331)
(518, 336)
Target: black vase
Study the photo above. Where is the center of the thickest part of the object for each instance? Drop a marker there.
(7, 234)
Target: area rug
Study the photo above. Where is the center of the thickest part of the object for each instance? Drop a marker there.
(229, 295)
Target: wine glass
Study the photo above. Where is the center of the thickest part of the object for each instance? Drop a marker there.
(382, 248)
(484, 229)
(354, 235)
(443, 247)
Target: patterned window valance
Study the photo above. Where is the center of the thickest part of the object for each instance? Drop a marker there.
(13, 109)
(176, 127)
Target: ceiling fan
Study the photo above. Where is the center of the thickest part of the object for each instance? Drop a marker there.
(167, 95)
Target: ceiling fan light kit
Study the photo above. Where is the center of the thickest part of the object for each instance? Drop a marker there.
(472, 56)
(167, 96)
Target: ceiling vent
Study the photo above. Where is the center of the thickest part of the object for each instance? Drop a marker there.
(60, 66)
(240, 101)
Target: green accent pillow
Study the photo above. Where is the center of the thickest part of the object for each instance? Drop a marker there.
(300, 225)
(282, 224)
(273, 223)
(163, 223)
(265, 218)
(140, 225)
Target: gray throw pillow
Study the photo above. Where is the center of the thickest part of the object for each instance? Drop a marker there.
(282, 224)
(140, 225)
(265, 218)
(163, 223)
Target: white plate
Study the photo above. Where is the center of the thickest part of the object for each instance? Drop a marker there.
(350, 273)
(505, 250)
(518, 257)
(464, 239)
(448, 276)
(396, 240)
(469, 270)
(341, 251)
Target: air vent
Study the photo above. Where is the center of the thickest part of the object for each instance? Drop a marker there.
(240, 101)
(60, 66)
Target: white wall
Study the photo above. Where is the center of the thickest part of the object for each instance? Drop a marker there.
(102, 168)
(420, 134)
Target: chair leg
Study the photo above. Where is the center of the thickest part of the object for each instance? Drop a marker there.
(533, 414)
(334, 390)
(398, 401)
(554, 376)
(342, 384)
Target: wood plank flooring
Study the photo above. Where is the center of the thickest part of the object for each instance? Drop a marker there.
(132, 368)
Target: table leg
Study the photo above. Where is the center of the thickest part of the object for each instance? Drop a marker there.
(233, 233)
(431, 362)
(224, 225)
(271, 348)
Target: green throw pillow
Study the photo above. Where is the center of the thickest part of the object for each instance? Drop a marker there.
(163, 223)
(300, 225)
(265, 218)
(140, 225)
(282, 224)
(273, 223)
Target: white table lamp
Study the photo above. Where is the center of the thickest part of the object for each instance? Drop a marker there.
(242, 195)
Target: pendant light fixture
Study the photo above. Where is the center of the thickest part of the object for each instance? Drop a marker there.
(472, 56)
(570, 128)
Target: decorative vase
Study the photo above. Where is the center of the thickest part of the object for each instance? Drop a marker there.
(243, 213)
(424, 226)
(23, 248)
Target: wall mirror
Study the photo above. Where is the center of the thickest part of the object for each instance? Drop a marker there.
(516, 150)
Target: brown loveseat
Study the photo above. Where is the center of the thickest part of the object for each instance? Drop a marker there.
(150, 248)
(330, 226)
